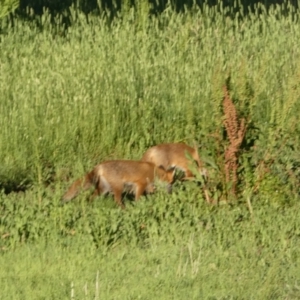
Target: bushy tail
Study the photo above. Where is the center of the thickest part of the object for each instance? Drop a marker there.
(80, 184)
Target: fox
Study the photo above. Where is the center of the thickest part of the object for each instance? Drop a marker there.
(174, 155)
(116, 176)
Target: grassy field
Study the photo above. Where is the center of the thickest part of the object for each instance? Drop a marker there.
(166, 247)
(111, 89)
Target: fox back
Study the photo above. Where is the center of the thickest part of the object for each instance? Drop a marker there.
(172, 155)
(126, 171)
(115, 175)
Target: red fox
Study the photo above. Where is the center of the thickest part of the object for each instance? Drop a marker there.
(115, 175)
(174, 155)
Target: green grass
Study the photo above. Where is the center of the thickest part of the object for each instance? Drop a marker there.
(107, 90)
(221, 253)
(164, 246)
(68, 102)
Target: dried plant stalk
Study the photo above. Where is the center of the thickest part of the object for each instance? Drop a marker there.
(236, 129)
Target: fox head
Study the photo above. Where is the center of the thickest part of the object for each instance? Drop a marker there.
(166, 175)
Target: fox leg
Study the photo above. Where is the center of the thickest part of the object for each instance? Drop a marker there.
(95, 194)
(188, 175)
(101, 187)
(139, 190)
(118, 197)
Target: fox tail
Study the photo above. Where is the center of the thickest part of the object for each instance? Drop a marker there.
(79, 185)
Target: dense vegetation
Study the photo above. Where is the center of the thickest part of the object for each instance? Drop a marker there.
(110, 88)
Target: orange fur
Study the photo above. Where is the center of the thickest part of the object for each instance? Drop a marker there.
(116, 175)
(174, 155)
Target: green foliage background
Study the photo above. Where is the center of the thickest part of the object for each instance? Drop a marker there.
(7, 6)
(110, 88)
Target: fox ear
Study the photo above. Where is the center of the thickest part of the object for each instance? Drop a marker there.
(172, 168)
(161, 167)
(168, 170)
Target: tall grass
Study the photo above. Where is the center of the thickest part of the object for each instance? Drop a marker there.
(113, 90)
